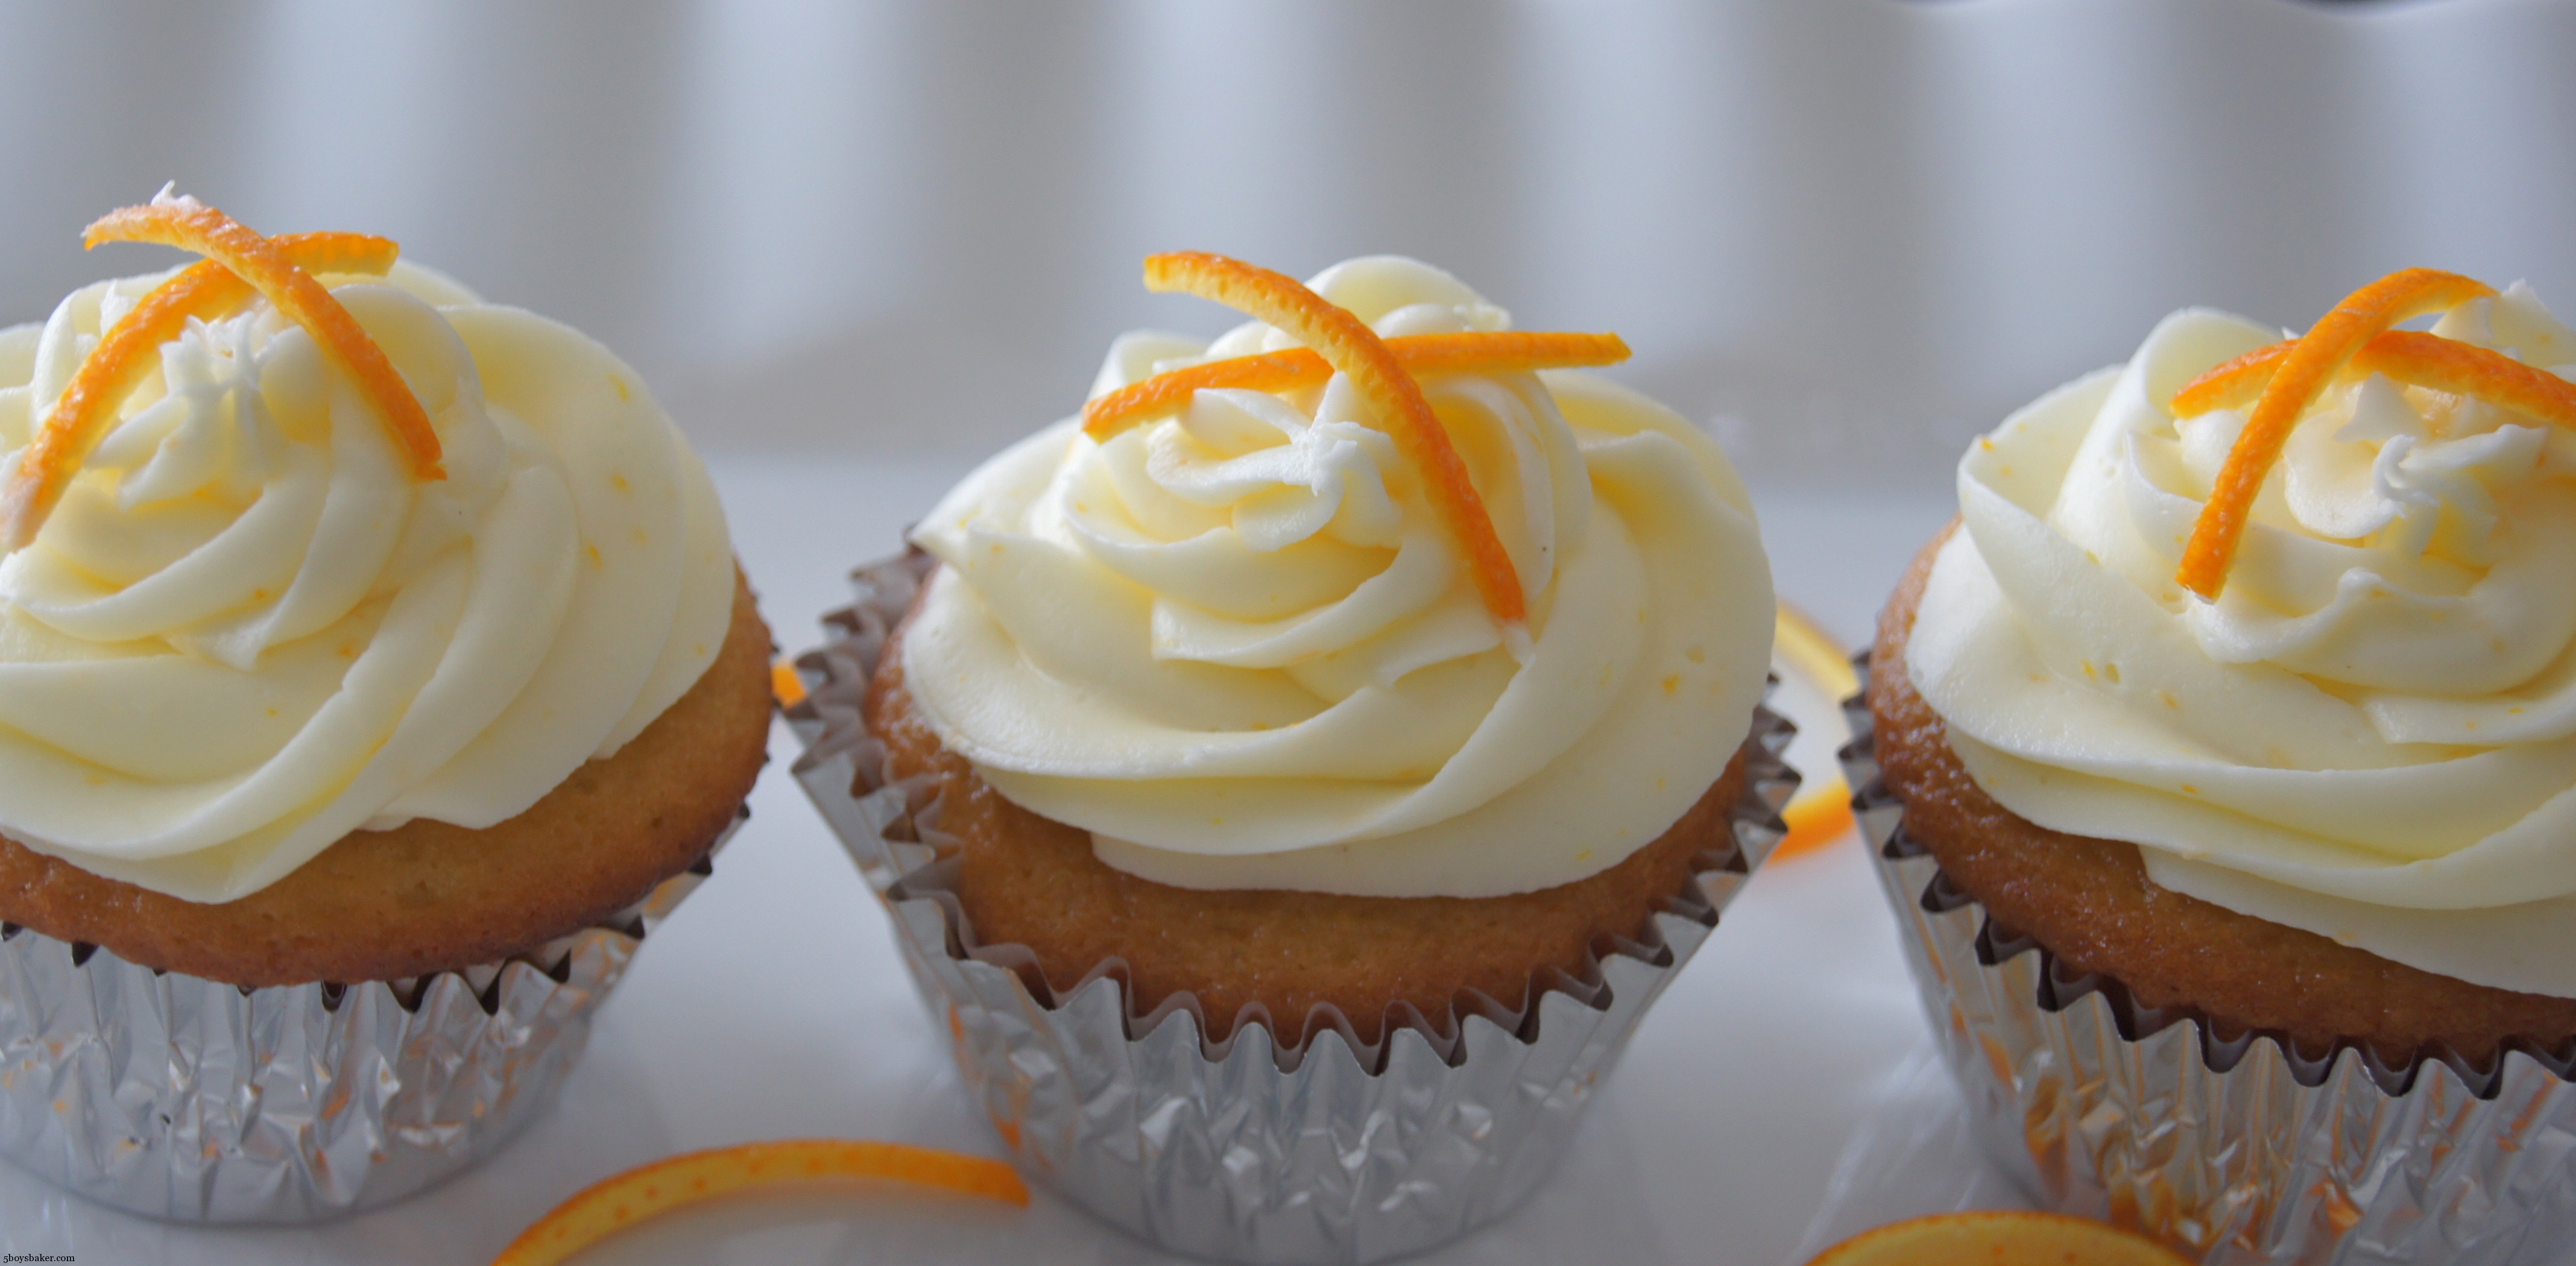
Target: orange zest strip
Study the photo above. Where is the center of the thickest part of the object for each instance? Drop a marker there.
(1170, 393)
(2419, 360)
(785, 684)
(192, 225)
(124, 358)
(361, 254)
(2234, 384)
(1506, 351)
(2315, 360)
(1350, 346)
(1499, 352)
(2429, 360)
(631, 1197)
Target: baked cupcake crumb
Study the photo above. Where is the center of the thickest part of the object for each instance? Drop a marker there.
(429, 896)
(1029, 880)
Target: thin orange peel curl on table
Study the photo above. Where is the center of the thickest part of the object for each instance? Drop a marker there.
(238, 263)
(1821, 811)
(786, 685)
(616, 1203)
(1348, 345)
(2357, 338)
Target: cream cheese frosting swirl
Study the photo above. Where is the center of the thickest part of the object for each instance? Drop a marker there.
(246, 631)
(2371, 734)
(1238, 646)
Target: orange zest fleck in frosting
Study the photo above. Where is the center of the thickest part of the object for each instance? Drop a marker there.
(628, 1198)
(194, 226)
(2313, 360)
(124, 358)
(1349, 345)
(1495, 352)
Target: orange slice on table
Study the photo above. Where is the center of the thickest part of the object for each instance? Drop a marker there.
(1998, 1239)
(616, 1203)
(1350, 346)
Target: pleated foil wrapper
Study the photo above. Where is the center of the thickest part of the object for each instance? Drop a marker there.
(1331, 1151)
(2236, 1148)
(190, 1100)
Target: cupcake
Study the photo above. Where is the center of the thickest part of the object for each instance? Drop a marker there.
(1294, 775)
(2220, 758)
(376, 671)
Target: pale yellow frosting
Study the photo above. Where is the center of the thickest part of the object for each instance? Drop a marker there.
(2371, 734)
(1239, 648)
(246, 631)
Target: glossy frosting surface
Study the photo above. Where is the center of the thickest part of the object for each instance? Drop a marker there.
(246, 631)
(1237, 646)
(2371, 735)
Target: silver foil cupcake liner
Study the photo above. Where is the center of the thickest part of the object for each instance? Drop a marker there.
(2237, 1148)
(1332, 1150)
(187, 1099)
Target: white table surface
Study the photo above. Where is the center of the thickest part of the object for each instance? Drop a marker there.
(773, 1007)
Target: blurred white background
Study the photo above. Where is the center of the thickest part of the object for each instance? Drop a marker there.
(1843, 231)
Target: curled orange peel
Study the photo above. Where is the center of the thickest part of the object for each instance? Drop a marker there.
(192, 225)
(124, 358)
(2466, 369)
(614, 1204)
(1496, 352)
(1998, 1238)
(1821, 812)
(2233, 384)
(2405, 356)
(2313, 360)
(1350, 346)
